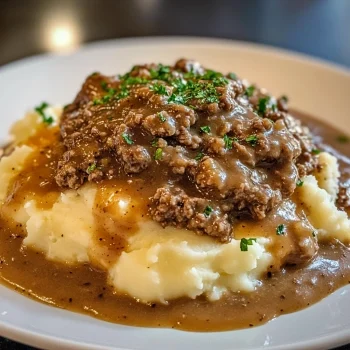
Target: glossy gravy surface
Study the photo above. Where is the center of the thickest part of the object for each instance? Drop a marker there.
(83, 288)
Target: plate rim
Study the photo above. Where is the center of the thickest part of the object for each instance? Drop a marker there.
(37, 339)
(281, 52)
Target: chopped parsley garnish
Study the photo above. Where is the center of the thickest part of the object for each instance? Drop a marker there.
(199, 156)
(154, 143)
(220, 81)
(245, 242)
(210, 75)
(300, 183)
(205, 129)
(343, 139)
(159, 89)
(262, 105)
(179, 84)
(313, 233)
(176, 99)
(104, 86)
(316, 151)
(40, 110)
(232, 76)
(106, 98)
(160, 73)
(128, 81)
(122, 94)
(274, 107)
(252, 140)
(204, 91)
(284, 98)
(207, 211)
(280, 229)
(250, 91)
(127, 139)
(191, 74)
(97, 101)
(158, 154)
(91, 168)
(229, 141)
(161, 117)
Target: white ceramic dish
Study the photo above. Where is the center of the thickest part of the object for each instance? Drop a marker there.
(313, 86)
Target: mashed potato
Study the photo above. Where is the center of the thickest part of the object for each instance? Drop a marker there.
(163, 264)
(327, 174)
(160, 264)
(10, 167)
(27, 126)
(64, 232)
(322, 212)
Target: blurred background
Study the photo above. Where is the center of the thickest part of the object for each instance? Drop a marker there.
(319, 28)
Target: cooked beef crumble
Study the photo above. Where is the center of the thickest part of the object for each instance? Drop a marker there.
(199, 138)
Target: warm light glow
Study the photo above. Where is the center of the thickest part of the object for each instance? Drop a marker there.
(62, 38)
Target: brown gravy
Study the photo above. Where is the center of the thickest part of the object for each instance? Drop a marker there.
(83, 288)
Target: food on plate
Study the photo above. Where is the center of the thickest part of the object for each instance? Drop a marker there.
(175, 196)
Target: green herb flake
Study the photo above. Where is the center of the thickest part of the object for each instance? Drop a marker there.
(122, 94)
(207, 211)
(91, 168)
(159, 89)
(161, 117)
(343, 139)
(284, 98)
(199, 156)
(97, 101)
(250, 91)
(220, 81)
(160, 73)
(179, 84)
(300, 183)
(205, 129)
(232, 76)
(158, 154)
(40, 110)
(245, 242)
(280, 229)
(316, 151)
(104, 85)
(210, 75)
(106, 98)
(252, 140)
(127, 139)
(262, 105)
(154, 142)
(229, 141)
(176, 99)
(313, 233)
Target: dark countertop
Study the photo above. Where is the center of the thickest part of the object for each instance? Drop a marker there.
(317, 27)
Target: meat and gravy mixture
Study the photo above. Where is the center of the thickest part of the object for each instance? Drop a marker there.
(201, 151)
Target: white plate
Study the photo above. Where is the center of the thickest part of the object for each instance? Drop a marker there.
(313, 86)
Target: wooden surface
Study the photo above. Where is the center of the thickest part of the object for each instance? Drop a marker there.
(319, 28)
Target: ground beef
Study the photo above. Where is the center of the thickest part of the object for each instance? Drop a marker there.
(172, 206)
(194, 136)
(343, 200)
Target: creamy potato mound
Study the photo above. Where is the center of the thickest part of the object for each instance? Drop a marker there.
(160, 264)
